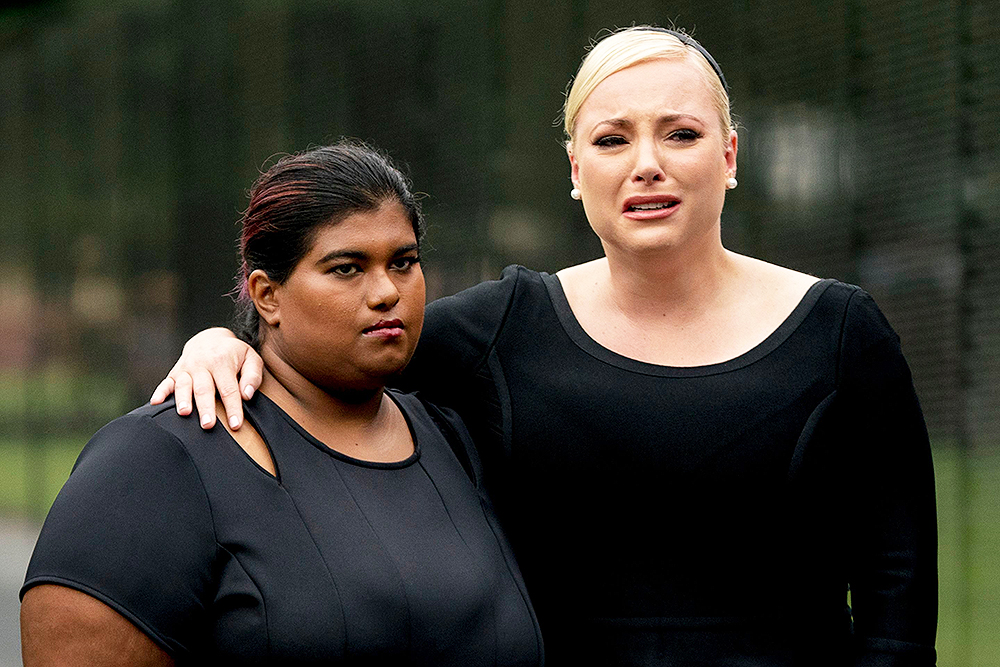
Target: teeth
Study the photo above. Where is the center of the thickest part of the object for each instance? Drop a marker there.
(651, 207)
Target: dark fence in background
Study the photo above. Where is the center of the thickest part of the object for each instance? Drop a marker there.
(869, 152)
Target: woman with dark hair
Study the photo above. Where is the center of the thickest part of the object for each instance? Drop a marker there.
(695, 453)
(347, 524)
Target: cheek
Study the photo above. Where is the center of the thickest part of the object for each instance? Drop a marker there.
(601, 175)
(415, 294)
(317, 313)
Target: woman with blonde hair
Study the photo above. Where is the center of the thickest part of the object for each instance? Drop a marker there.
(696, 454)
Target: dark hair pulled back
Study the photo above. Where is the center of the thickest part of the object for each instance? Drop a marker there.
(300, 194)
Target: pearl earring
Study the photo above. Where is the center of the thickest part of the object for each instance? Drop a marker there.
(575, 193)
(731, 183)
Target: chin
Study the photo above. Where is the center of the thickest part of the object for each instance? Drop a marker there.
(642, 247)
(385, 372)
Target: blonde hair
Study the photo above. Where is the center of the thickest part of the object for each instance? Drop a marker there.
(631, 46)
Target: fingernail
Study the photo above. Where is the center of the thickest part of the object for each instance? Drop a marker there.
(183, 408)
(248, 391)
(234, 421)
(205, 420)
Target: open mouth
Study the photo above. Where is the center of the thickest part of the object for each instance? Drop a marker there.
(649, 204)
(654, 206)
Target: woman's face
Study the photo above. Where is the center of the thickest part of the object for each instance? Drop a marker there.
(649, 158)
(350, 314)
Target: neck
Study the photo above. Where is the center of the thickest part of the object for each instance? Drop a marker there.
(318, 408)
(667, 282)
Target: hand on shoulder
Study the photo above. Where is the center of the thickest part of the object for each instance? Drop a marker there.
(210, 363)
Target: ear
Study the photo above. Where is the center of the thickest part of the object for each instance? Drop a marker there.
(263, 291)
(731, 147)
(574, 168)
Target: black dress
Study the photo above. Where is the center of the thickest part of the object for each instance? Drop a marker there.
(713, 515)
(337, 561)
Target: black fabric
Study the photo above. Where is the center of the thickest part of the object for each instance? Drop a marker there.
(337, 561)
(713, 515)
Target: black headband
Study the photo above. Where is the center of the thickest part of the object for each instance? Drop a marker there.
(688, 40)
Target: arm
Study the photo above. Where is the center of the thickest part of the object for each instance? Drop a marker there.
(210, 362)
(893, 548)
(459, 333)
(66, 628)
(131, 533)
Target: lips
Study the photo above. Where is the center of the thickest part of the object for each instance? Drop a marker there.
(385, 328)
(647, 203)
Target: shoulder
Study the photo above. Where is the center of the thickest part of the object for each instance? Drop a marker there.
(460, 329)
(862, 323)
(135, 432)
(779, 284)
(773, 285)
(146, 469)
(867, 345)
(133, 528)
(486, 296)
(144, 462)
(148, 436)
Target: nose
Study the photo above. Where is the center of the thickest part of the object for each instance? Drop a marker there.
(648, 167)
(382, 291)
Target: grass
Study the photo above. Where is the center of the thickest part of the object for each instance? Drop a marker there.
(29, 484)
(969, 540)
(968, 490)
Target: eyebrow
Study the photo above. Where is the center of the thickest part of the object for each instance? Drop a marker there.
(359, 255)
(669, 118)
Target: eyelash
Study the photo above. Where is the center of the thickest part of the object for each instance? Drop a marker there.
(688, 135)
(612, 140)
(351, 269)
(609, 141)
(345, 270)
(408, 260)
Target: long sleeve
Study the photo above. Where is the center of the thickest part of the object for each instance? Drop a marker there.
(893, 542)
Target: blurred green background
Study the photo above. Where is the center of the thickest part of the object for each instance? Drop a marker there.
(131, 131)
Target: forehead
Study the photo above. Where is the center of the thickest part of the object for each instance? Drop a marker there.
(649, 89)
(388, 225)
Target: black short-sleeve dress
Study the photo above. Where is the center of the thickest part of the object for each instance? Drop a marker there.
(335, 561)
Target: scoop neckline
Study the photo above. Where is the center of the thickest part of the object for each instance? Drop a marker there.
(583, 340)
(268, 403)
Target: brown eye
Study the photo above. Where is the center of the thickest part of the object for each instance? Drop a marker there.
(404, 263)
(345, 269)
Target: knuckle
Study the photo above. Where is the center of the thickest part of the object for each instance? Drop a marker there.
(228, 391)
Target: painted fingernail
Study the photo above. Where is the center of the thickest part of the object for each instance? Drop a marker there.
(248, 391)
(206, 420)
(234, 421)
(183, 408)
